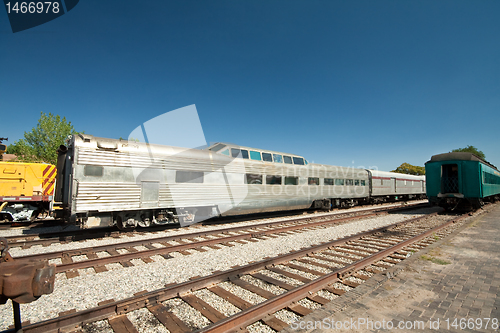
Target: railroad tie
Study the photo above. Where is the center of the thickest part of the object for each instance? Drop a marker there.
(289, 274)
(274, 281)
(66, 259)
(304, 269)
(168, 319)
(361, 276)
(200, 249)
(72, 273)
(313, 263)
(351, 284)
(126, 263)
(275, 323)
(204, 308)
(231, 298)
(318, 299)
(113, 252)
(335, 261)
(147, 260)
(91, 255)
(100, 268)
(121, 324)
(336, 291)
(299, 309)
(251, 287)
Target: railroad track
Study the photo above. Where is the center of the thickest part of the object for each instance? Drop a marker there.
(29, 224)
(49, 238)
(96, 257)
(284, 284)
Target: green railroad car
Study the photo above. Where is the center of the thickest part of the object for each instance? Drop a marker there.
(461, 180)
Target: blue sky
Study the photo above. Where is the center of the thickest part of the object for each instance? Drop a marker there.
(351, 83)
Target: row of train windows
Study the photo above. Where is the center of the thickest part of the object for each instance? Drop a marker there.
(266, 157)
(490, 178)
(198, 177)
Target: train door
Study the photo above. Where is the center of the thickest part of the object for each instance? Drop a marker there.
(150, 193)
(393, 185)
(449, 178)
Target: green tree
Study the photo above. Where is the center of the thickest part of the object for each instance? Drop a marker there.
(410, 169)
(470, 149)
(41, 144)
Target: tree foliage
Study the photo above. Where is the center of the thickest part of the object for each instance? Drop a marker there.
(41, 144)
(470, 149)
(410, 169)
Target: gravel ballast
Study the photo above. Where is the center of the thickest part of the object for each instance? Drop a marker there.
(86, 290)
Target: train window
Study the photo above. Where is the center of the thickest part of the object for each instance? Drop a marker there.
(291, 180)
(363, 183)
(225, 152)
(490, 178)
(189, 177)
(93, 170)
(273, 180)
(255, 155)
(356, 182)
(313, 181)
(235, 152)
(328, 181)
(339, 182)
(287, 160)
(278, 158)
(239, 153)
(267, 157)
(254, 179)
(298, 160)
(381, 182)
(349, 182)
(217, 147)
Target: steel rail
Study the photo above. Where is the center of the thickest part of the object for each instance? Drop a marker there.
(110, 308)
(65, 236)
(252, 232)
(175, 248)
(259, 311)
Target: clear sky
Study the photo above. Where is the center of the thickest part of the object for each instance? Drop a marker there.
(351, 83)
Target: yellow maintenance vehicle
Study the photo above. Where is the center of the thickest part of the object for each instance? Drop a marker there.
(26, 189)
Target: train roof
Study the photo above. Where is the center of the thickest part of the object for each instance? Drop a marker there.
(387, 174)
(89, 141)
(459, 156)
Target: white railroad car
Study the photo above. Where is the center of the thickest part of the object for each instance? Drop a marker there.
(386, 185)
(103, 182)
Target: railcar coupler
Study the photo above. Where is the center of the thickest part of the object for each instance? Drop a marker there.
(23, 281)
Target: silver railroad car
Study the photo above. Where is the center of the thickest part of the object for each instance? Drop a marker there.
(395, 186)
(102, 182)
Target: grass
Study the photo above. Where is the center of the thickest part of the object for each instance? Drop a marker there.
(435, 260)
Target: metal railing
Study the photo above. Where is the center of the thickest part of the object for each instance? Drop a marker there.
(449, 184)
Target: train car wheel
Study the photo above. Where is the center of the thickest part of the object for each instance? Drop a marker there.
(124, 225)
(144, 223)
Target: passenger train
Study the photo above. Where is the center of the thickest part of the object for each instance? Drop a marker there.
(103, 182)
(461, 180)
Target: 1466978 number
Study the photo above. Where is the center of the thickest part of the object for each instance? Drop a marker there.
(33, 7)
(472, 323)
